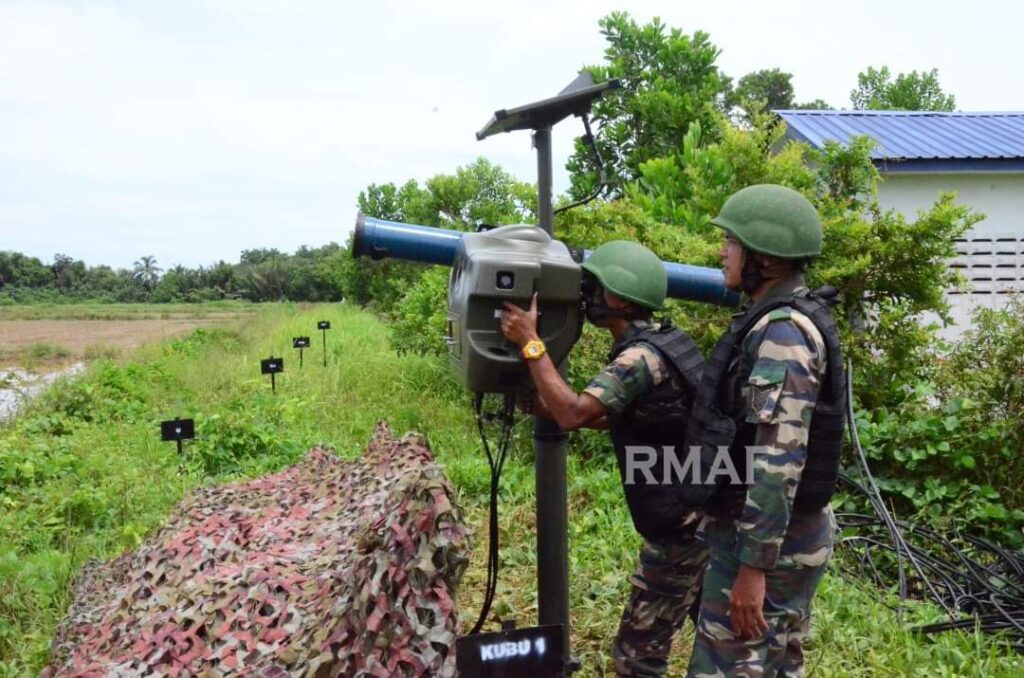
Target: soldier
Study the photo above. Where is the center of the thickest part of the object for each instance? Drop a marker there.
(778, 375)
(643, 398)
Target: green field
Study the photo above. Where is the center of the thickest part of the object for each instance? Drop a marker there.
(83, 474)
(103, 311)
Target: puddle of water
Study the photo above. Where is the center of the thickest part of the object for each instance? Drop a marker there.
(17, 386)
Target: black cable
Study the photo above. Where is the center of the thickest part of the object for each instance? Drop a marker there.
(496, 462)
(960, 572)
(602, 177)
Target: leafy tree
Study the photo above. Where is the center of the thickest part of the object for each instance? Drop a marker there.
(816, 105)
(876, 90)
(265, 281)
(669, 80)
(146, 272)
(67, 273)
(890, 269)
(480, 192)
(18, 270)
(259, 255)
(764, 90)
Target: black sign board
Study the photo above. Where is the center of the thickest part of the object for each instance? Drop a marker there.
(272, 366)
(324, 325)
(300, 342)
(534, 652)
(178, 429)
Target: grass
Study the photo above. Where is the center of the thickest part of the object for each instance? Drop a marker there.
(83, 474)
(105, 311)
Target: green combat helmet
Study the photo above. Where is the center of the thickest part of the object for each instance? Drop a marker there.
(629, 271)
(773, 220)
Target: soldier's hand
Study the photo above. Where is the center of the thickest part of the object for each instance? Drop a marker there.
(517, 325)
(746, 603)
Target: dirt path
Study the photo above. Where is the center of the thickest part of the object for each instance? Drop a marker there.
(77, 335)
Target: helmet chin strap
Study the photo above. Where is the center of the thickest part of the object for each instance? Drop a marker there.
(598, 310)
(751, 276)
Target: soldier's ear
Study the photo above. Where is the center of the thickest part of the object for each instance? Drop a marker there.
(615, 303)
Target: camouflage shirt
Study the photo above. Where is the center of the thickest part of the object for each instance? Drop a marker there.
(633, 373)
(778, 373)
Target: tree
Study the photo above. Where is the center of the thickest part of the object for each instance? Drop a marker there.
(480, 192)
(146, 272)
(258, 255)
(18, 270)
(816, 105)
(669, 80)
(877, 91)
(764, 90)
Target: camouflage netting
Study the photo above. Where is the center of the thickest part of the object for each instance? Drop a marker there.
(327, 568)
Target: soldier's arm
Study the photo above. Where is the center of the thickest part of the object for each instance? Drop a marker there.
(781, 394)
(629, 376)
(570, 409)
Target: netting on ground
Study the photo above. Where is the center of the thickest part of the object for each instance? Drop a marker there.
(328, 568)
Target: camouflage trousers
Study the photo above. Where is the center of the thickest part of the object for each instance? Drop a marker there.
(665, 588)
(789, 588)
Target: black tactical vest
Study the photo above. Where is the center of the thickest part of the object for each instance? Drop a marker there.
(711, 428)
(656, 419)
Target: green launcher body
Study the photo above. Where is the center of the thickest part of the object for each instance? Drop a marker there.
(509, 264)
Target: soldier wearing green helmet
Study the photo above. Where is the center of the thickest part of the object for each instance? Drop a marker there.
(776, 377)
(643, 398)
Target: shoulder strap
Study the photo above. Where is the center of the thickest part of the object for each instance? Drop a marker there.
(680, 351)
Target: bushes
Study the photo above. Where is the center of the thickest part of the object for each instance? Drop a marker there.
(950, 452)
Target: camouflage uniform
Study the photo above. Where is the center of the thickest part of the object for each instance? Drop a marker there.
(666, 583)
(776, 377)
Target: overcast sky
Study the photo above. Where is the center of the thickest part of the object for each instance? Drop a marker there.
(193, 129)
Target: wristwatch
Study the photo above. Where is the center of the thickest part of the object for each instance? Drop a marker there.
(534, 349)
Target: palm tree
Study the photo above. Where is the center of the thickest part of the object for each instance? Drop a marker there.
(146, 272)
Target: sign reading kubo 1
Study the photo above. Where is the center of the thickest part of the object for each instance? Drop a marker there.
(535, 652)
(509, 263)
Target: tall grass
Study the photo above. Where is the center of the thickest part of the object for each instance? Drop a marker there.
(83, 474)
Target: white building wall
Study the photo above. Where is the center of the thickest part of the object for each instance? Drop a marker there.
(999, 196)
(992, 254)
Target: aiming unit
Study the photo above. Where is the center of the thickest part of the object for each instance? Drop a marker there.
(509, 263)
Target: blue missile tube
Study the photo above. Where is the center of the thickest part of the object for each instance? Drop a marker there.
(379, 239)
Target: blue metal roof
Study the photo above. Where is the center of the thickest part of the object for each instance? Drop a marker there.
(916, 135)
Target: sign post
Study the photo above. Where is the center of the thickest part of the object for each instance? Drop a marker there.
(300, 343)
(272, 366)
(323, 326)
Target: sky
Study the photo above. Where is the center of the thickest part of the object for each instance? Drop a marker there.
(191, 130)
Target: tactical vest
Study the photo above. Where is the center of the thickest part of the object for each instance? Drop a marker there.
(656, 419)
(711, 428)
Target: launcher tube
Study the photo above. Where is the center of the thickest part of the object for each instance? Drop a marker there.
(379, 239)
